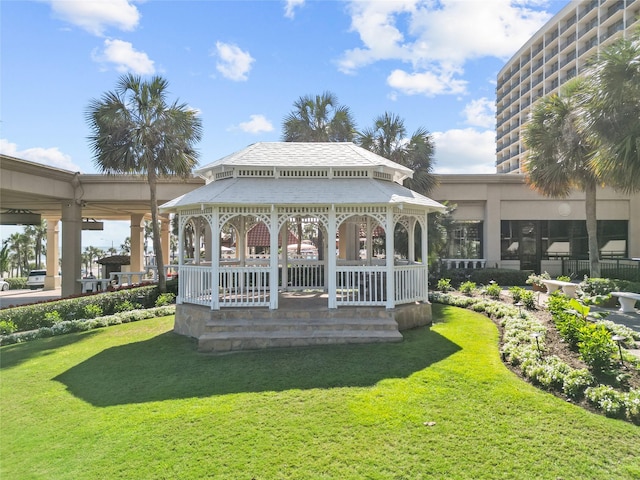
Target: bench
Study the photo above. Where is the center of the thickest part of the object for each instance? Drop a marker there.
(627, 300)
(568, 288)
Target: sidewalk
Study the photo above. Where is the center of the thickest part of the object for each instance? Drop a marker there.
(25, 297)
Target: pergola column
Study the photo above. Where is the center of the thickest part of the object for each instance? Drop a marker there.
(71, 247)
(390, 258)
(52, 280)
(137, 241)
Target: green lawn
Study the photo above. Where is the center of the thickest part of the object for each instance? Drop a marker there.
(136, 401)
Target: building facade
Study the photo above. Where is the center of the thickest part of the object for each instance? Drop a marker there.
(558, 52)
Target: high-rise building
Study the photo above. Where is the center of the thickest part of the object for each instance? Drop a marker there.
(558, 52)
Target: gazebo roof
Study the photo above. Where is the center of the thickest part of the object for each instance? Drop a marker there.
(315, 155)
(310, 174)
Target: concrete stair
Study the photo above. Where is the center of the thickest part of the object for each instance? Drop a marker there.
(234, 329)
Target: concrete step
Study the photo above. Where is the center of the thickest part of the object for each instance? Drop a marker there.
(299, 324)
(229, 341)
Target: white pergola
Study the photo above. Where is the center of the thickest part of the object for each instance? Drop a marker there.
(344, 191)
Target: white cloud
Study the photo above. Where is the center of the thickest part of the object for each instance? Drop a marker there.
(290, 6)
(256, 124)
(465, 151)
(480, 113)
(52, 156)
(95, 16)
(437, 38)
(425, 83)
(233, 63)
(124, 57)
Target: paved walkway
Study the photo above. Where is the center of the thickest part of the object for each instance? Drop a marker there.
(25, 297)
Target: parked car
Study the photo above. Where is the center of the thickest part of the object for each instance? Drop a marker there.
(4, 285)
(36, 279)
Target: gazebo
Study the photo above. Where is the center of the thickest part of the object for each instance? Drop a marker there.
(343, 294)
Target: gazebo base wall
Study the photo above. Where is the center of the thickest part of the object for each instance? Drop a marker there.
(256, 328)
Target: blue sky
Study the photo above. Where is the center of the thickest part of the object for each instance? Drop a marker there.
(242, 64)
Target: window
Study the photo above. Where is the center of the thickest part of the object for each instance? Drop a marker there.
(464, 240)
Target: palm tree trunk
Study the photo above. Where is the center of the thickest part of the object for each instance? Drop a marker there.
(592, 228)
(157, 244)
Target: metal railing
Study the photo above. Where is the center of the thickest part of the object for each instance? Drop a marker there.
(622, 268)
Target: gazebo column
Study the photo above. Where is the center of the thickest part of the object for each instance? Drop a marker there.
(390, 258)
(196, 240)
(215, 258)
(180, 260)
(425, 256)
(241, 242)
(411, 240)
(369, 241)
(331, 258)
(284, 239)
(273, 259)
(207, 242)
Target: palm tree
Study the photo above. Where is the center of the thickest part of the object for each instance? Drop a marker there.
(388, 138)
(318, 119)
(38, 233)
(21, 248)
(4, 259)
(559, 152)
(613, 112)
(135, 131)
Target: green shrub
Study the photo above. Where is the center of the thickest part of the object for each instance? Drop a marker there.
(595, 346)
(493, 290)
(16, 283)
(516, 293)
(31, 317)
(563, 278)
(528, 298)
(126, 306)
(468, 288)
(444, 285)
(597, 286)
(92, 311)
(482, 276)
(51, 318)
(502, 276)
(576, 382)
(607, 399)
(7, 327)
(165, 299)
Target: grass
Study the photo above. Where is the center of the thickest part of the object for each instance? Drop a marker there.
(137, 401)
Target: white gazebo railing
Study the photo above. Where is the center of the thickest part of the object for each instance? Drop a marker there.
(244, 286)
(305, 274)
(195, 284)
(410, 283)
(361, 285)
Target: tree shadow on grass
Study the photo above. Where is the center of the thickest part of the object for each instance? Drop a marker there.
(167, 367)
(13, 355)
